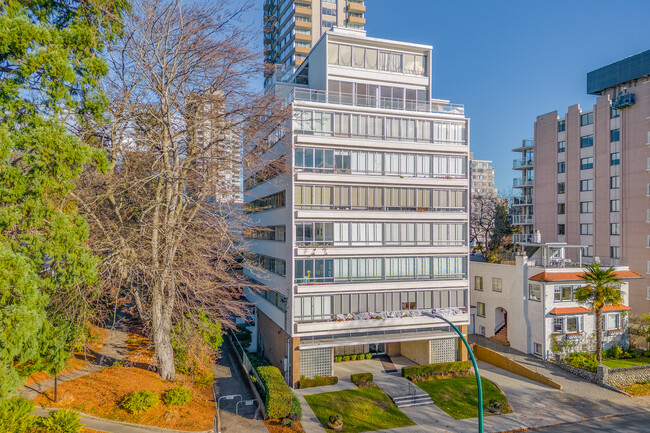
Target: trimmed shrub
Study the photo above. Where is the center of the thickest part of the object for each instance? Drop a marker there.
(61, 421)
(356, 378)
(368, 355)
(15, 415)
(586, 361)
(177, 396)
(318, 381)
(338, 358)
(296, 409)
(345, 358)
(430, 369)
(140, 401)
(278, 397)
(614, 352)
(353, 357)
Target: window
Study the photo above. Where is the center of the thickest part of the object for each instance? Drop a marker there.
(561, 166)
(270, 233)
(612, 321)
(560, 187)
(615, 252)
(560, 229)
(587, 119)
(534, 292)
(329, 11)
(586, 207)
(615, 112)
(586, 229)
(587, 185)
(572, 325)
(497, 285)
(537, 349)
(561, 126)
(271, 264)
(561, 146)
(563, 293)
(481, 330)
(561, 208)
(587, 141)
(586, 163)
(588, 251)
(615, 182)
(648, 244)
(272, 201)
(615, 205)
(615, 158)
(615, 229)
(558, 325)
(478, 283)
(615, 135)
(480, 309)
(647, 293)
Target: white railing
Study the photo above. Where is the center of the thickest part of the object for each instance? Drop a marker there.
(522, 238)
(522, 219)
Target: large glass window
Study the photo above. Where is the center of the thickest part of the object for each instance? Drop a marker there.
(587, 119)
(586, 229)
(615, 135)
(561, 125)
(587, 185)
(615, 182)
(534, 292)
(586, 163)
(587, 141)
(561, 146)
(615, 158)
(561, 167)
(586, 207)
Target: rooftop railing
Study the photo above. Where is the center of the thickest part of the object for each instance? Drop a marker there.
(371, 101)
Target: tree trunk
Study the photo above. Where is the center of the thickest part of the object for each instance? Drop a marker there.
(162, 323)
(599, 335)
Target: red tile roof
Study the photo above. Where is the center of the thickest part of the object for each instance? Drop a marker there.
(575, 276)
(582, 310)
(570, 310)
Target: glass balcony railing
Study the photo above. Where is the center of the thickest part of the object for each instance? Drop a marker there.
(372, 101)
(522, 162)
(519, 182)
(522, 219)
(523, 200)
(518, 238)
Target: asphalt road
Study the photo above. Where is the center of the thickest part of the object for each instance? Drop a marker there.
(634, 423)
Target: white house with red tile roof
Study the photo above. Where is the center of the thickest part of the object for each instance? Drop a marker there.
(530, 305)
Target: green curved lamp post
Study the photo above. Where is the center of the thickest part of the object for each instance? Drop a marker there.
(471, 356)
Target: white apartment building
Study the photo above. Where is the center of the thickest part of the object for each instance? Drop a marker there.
(368, 230)
(481, 177)
(530, 305)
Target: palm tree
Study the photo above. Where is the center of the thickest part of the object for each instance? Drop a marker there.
(602, 289)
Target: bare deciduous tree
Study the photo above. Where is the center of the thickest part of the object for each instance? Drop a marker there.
(180, 100)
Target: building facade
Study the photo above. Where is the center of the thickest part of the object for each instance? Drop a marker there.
(594, 172)
(529, 305)
(369, 223)
(482, 177)
(292, 28)
(523, 216)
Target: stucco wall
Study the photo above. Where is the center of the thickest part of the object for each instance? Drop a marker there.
(417, 351)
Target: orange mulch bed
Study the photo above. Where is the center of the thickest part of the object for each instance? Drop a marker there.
(101, 393)
(274, 426)
(79, 360)
(89, 430)
(140, 349)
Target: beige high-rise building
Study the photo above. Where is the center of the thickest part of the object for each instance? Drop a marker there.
(482, 177)
(292, 27)
(592, 174)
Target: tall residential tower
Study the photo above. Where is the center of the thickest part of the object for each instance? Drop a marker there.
(370, 223)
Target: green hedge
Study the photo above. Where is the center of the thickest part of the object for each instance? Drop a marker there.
(356, 378)
(429, 369)
(278, 397)
(318, 381)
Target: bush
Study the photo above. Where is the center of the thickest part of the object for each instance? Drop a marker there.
(177, 396)
(287, 422)
(15, 415)
(431, 369)
(585, 361)
(338, 358)
(61, 421)
(244, 335)
(278, 397)
(140, 401)
(356, 378)
(346, 358)
(614, 352)
(368, 355)
(317, 381)
(353, 357)
(296, 409)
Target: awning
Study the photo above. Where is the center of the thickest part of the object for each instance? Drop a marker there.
(575, 276)
(582, 310)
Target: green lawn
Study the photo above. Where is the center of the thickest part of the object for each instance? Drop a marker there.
(458, 396)
(629, 362)
(363, 409)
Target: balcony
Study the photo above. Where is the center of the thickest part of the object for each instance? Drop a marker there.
(525, 145)
(523, 200)
(522, 219)
(519, 238)
(356, 20)
(300, 37)
(303, 50)
(356, 8)
(521, 163)
(520, 183)
(303, 24)
(321, 96)
(303, 11)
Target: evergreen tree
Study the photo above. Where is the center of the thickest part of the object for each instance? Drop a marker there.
(49, 70)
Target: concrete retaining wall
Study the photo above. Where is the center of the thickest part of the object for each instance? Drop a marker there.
(498, 360)
(628, 375)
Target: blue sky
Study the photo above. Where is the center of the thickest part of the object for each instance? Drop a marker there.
(510, 61)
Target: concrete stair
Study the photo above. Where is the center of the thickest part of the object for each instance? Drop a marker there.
(501, 337)
(412, 400)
